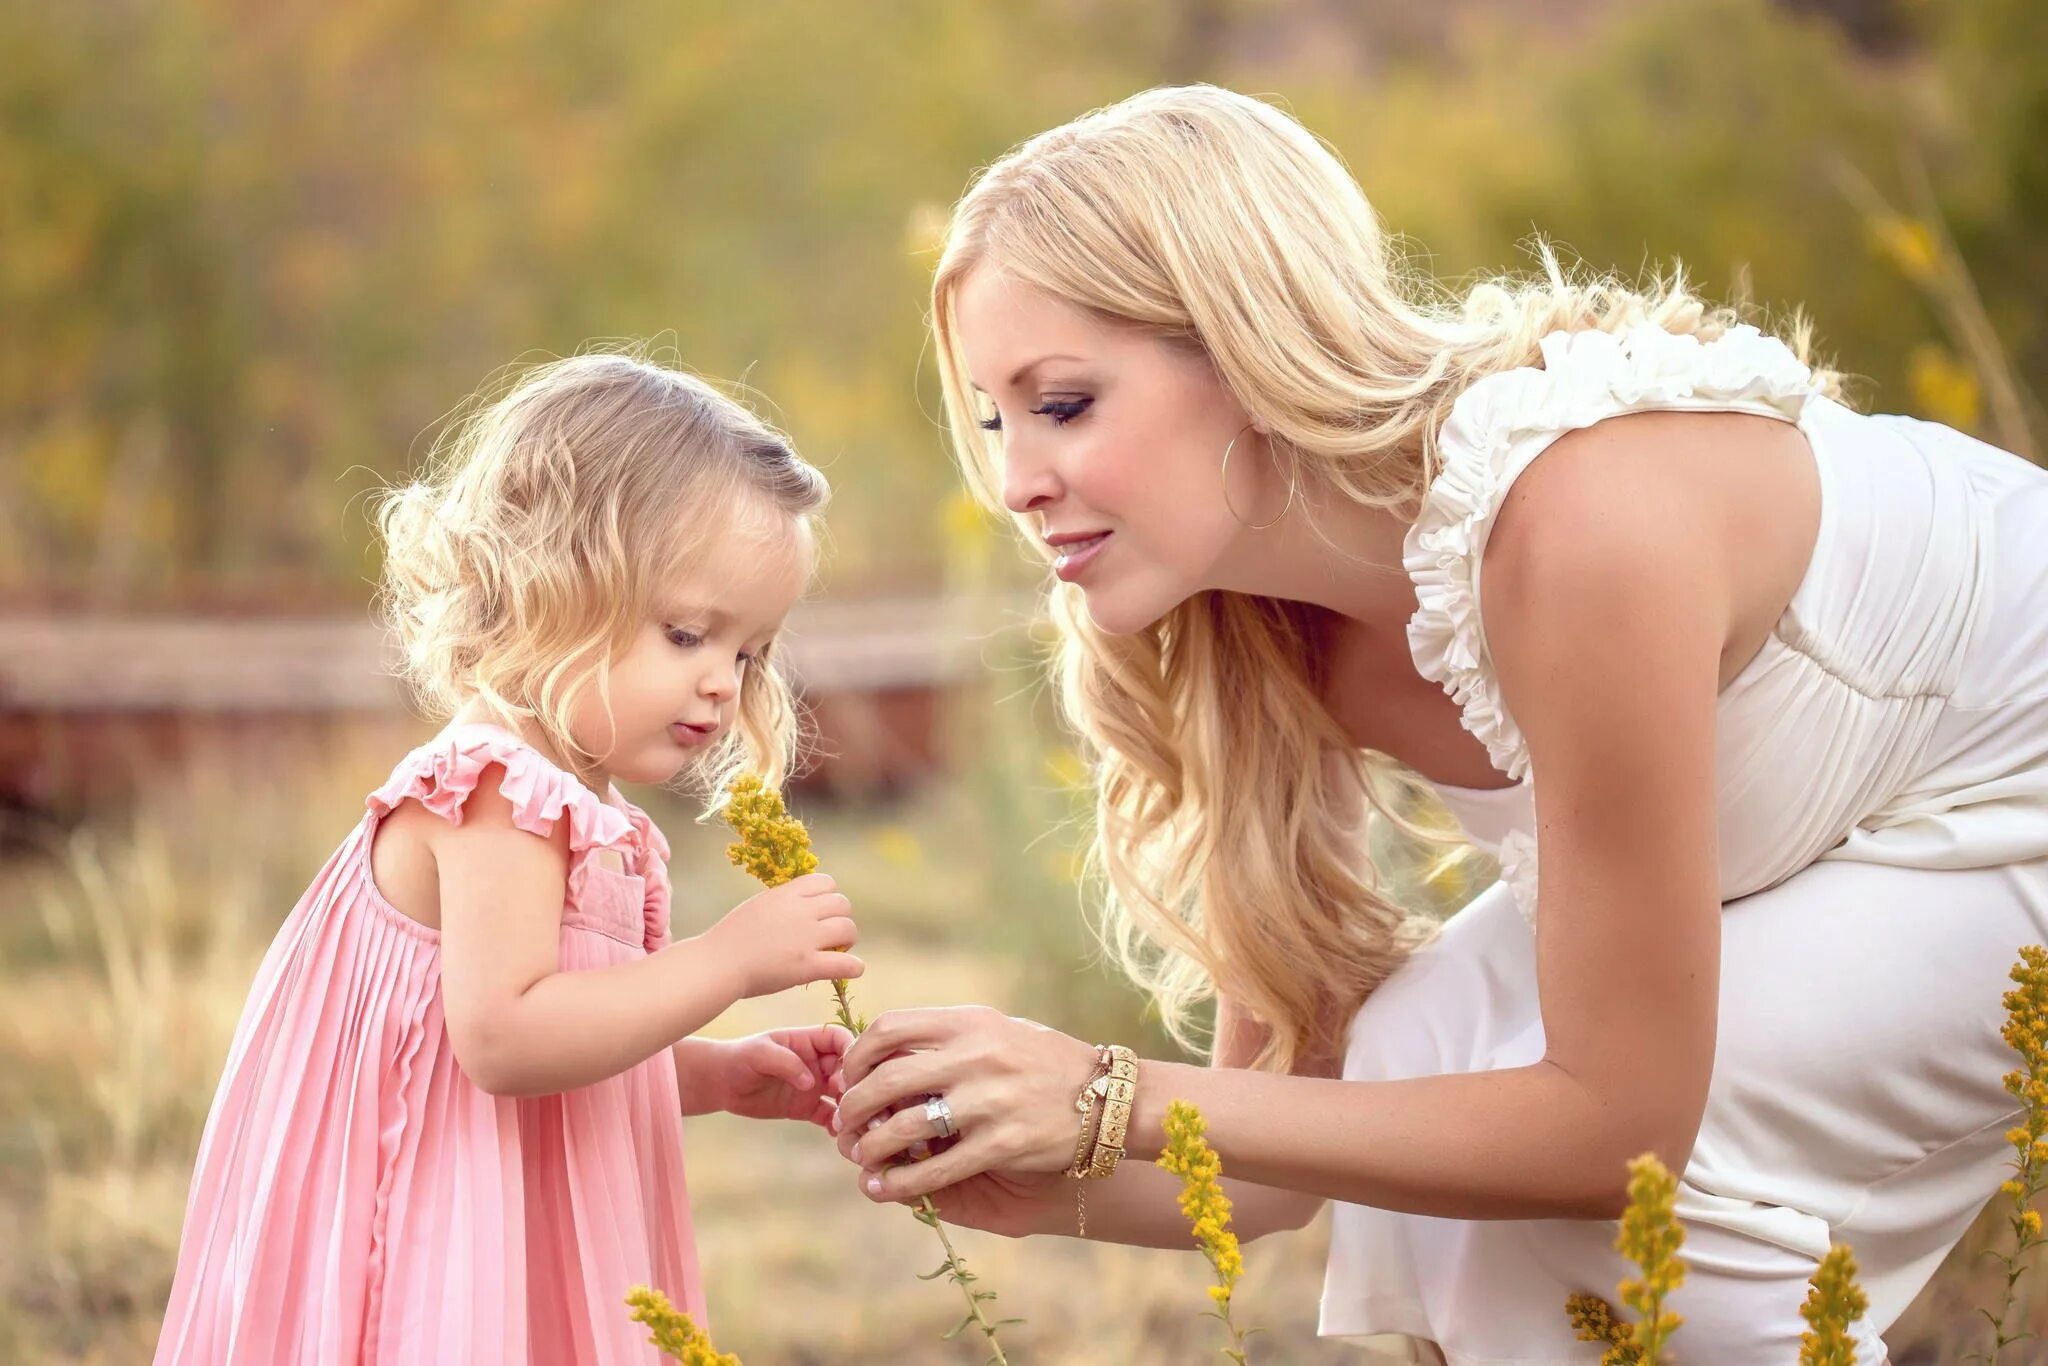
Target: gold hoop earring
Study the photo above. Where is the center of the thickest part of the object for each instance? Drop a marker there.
(1252, 526)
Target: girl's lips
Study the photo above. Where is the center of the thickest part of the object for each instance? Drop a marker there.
(687, 734)
(1075, 556)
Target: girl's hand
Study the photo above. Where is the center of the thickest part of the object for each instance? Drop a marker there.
(782, 1074)
(1010, 1083)
(788, 936)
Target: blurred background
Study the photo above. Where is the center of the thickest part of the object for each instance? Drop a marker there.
(252, 253)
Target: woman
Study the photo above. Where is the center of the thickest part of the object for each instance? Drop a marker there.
(1757, 681)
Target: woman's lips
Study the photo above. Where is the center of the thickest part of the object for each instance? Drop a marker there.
(1076, 556)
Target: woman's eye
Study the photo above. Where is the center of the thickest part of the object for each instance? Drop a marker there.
(991, 424)
(1063, 410)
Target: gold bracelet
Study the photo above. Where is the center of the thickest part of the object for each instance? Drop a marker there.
(1118, 1089)
(1085, 1102)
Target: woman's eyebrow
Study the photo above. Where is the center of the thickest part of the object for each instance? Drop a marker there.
(1023, 370)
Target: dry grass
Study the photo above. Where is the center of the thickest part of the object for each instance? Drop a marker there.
(126, 950)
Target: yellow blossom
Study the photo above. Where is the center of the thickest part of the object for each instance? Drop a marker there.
(1944, 388)
(1909, 243)
(2025, 1029)
(1187, 1154)
(676, 1334)
(1594, 1320)
(1833, 1302)
(1650, 1237)
(773, 845)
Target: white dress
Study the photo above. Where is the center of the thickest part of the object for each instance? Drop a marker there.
(1883, 823)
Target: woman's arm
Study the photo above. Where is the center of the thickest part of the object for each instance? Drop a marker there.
(1607, 607)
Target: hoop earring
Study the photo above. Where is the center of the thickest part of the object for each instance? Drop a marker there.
(1252, 526)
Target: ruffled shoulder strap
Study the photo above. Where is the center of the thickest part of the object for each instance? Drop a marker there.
(441, 774)
(1503, 422)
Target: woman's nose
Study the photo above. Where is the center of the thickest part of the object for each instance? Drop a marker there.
(1028, 485)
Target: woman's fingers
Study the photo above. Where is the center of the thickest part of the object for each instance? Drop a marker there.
(911, 1074)
(899, 1031)
(904, 1133)
(971, 1156)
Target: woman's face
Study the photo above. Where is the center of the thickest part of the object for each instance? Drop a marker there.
(1112, 450)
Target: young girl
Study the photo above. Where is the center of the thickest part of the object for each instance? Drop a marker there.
(1759, 683)
(450, 1128)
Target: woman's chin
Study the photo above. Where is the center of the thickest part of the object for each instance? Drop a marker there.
(1128, 609)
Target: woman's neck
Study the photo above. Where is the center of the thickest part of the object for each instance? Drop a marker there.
(1337, 554)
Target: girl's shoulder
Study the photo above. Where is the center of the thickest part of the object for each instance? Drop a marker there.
(445, 773)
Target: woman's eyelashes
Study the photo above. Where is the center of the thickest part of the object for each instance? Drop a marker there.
(1061, 410)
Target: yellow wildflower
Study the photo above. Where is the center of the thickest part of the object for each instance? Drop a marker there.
(1944, 388)
(773, 845)
(1594, 1320)
(1909, 243)
(676, 1334)
(1833, 1303)
(2026, 1028)
(1207, 1209)
(1650, 1237)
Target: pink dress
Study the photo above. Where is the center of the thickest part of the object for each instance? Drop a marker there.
(358, 1199)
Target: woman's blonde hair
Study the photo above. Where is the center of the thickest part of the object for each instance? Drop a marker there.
(525, 559)
(1229, 802)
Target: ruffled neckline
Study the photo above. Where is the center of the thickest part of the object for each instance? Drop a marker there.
(442, 773)
(1586, 376)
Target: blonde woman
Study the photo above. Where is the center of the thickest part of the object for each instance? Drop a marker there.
(1759, 683)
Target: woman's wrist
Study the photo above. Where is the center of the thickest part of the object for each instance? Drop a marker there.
(1158, 1083)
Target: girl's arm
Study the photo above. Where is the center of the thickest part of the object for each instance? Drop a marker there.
(520, 1026)
(1607, 606)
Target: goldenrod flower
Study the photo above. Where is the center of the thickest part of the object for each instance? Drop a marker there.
(774, 846)
(1650, 1237)
(1833, 1303)
(1207, 1209)
(2026, 1031)
(676, 1334)
(1594, 1320)
(1909, 243)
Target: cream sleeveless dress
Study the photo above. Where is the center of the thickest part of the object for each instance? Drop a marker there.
(1883, 828)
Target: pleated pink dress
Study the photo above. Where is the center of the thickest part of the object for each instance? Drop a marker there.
(358, 1199)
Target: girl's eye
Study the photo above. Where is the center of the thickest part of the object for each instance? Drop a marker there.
(1063, 410)
(689, 640)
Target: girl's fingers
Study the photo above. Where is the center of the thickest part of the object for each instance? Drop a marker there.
(830, 965)
(813, 884)
(778, 1060)
(830, 904)
(838, 933)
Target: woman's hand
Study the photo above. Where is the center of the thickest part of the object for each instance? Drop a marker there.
(782, 1074)
(1010, 1084)
(1009, 1206)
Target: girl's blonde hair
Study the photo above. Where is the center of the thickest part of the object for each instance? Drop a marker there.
(1228, 835)
(526, 558)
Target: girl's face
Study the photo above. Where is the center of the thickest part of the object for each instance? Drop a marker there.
(676, 689)
(1112, 449)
